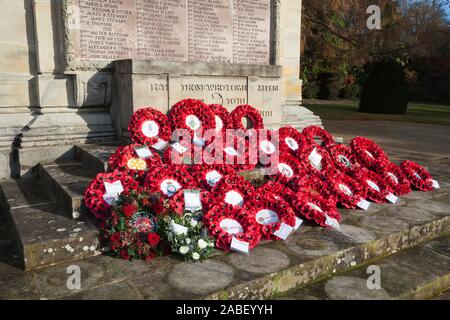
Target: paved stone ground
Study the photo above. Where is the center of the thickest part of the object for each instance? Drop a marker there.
(274, 266)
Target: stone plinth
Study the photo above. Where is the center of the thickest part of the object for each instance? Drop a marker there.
(161, 84)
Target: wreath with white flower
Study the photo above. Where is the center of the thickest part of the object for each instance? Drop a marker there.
(222, 117)
(313, 132)
(344, 159)
(396, 179)
(417, 175)
(225, 222)
(149, 126)
(376, 186)
(252, 115)
(233, 190)
(291, 140)
(185, 236)
(270, 213)
(368, 153)
(192, 115)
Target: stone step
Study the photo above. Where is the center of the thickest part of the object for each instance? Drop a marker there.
(66, 183)
(95, 156)
(422, 272)
(273, 268)
(41, 232)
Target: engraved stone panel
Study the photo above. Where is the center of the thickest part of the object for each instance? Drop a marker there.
(210, 25)
(107, 29)
(161, 30)
(251, 23)
(223, 31)
(227, 91)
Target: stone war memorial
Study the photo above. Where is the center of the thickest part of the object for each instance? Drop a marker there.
(75, 71)
(100, 200)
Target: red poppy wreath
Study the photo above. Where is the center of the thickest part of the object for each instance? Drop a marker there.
(207, 176)
(271, 215)
(168, 179)
(134, 159)
(316, 208)
(348, 191)
(318, 161)
(237, 155)
(253, 117)
(315, 185)
(105, 189)
(150, 127)
(344, 159)
(291, 140)
(177, 202)
(368, 153)
(192, 115)
(225, 222)
(268, 147)
(376, 186)
(396, 179)
(222, 118)
(287, 170)
(417, 175)
(233, 190)
(276, 190)
(313, 132)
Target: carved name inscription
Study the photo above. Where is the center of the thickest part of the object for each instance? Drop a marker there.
(229, 31)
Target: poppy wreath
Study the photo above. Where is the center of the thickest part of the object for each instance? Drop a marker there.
(396, 179)
(248, 112)
(315, 207)
(168, 179)
(207, 176)
(417, 175)
(315, 185)
(291, 140)
(131, 228)
(288, 170)
(243, 226)
(344, 159)
(267, 146)
(94, 194)
(368, 153)
(312, 132)
(238, 157)
(376, 186)
(192, 115)
(326, 169)
(176, 203)
(126, 158)
(183, 154)
(347, 191)
(148, 126)
(276, 190)
(233, 189)
(269, 213)
(222, 118)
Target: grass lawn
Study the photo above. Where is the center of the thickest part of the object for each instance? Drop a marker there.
(348, 110)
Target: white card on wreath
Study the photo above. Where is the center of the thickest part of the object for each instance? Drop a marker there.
(315, 157)
(192, 200)
(213, 177)
(284, 231)
(363, 204)
(198, 141)
(143, 152)
(109, 199)
(298, 223)
(113, 189)
(160, 145)
(178, 229)
(178, 147)
(332, 223)
(392, 198)
(435, 184)
(240, 246)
